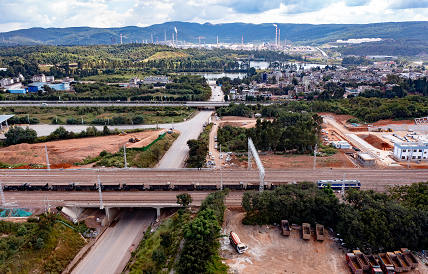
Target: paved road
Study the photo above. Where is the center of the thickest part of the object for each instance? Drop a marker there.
(106, 255)
(176, 154)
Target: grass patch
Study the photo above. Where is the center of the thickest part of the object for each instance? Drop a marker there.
(38, 246)
(59, 115)
(158, 251)
(140, 159)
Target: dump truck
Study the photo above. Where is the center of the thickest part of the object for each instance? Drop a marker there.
(386, 263)
(400, 256)
(353, 263)
(236, 243)
(364, 262)
(374, 264)
(285, 228)
(306, 230)
(320, 232)
(411, 259)
(398, 267)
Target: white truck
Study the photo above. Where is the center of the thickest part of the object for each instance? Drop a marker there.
(236, 243)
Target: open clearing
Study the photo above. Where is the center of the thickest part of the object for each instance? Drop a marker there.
(72, 150)
(270, 252)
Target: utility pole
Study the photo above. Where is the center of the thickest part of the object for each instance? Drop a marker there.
(315, 156)
(101, 196)
(221, 181)
(124, 154)
(3, 199)
(47, 159)
(220, 157)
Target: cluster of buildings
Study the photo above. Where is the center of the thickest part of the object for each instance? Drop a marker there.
(136, 82)
(306, 81)
(15, 84)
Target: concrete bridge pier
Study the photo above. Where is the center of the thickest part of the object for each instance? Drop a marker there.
(111, 212)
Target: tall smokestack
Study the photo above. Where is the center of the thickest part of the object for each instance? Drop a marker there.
(165, 35)
(242, 42)
(279, 37)
(276, 34)
(151, 37)
(176, 39)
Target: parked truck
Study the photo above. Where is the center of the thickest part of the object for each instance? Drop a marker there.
(320, 232)
(364, 262)
(398, 267)
(411, 259)
(374, 264)
(306, 230)
(285, 226)
(353, 263)
(400, 256)
(236, 243)
(386, 264)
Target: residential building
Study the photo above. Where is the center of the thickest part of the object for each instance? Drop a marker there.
(156, 79)
(49, 79)
(5, 82)
(39, 78)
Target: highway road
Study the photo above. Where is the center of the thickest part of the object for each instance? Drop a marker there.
(106, 255)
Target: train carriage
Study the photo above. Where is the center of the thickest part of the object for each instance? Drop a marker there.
(339, 184)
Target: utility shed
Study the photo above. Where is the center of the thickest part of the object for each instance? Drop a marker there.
(366, 159)
(3, 121)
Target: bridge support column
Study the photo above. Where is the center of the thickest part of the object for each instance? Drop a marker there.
(110, 212)
(158, 212)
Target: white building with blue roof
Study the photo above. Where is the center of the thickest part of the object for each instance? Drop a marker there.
(411, 150)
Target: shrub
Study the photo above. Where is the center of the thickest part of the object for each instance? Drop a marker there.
(39, 243)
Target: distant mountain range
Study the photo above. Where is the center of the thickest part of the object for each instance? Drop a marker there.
(227, 33)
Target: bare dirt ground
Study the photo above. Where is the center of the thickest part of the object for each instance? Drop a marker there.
(71, 151)
(376, 141)
(270, 252)
(337, 160)
(391, 122)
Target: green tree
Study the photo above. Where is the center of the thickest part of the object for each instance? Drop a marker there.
(184, 199)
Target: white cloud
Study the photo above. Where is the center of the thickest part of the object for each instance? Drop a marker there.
(119, 13)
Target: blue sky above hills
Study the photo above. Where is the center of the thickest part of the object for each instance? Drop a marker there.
(19, 14)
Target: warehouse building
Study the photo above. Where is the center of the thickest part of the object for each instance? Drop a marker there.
(411, 150)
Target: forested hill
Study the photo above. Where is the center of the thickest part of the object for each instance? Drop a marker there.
(227, 33)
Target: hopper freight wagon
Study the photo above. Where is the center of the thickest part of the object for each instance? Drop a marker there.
(400, 256)
(62, 187)
(189, 187)
(239, 186)
(165, 187)
(364, 262)
(374, 264)
(285, 226)
(398, 267)
(306, 230)
(386, 264)
(276, 185)
(206, 187)
(319, 232)
(15, 187)
(411, 259)
(256, 186)
(353, 263)
(110, 187)
(85, 187)
(133, 187)
(38, 186)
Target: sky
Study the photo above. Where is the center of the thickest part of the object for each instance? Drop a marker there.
(22, 14)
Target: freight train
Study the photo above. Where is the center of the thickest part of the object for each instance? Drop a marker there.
(80, 186)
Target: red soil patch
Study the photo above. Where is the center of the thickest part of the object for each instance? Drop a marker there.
(376, 142)
(65, 153)
(393, 122)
